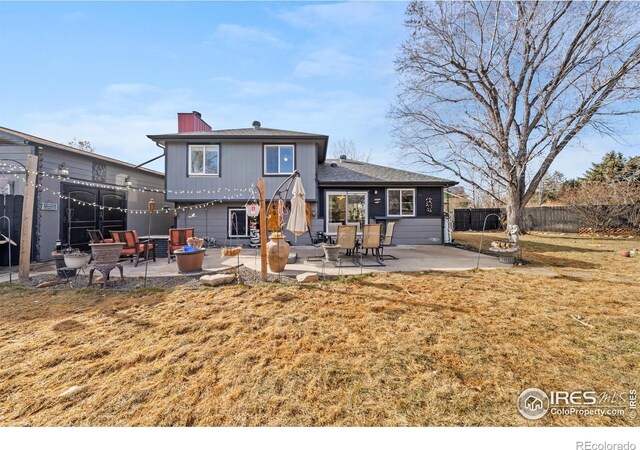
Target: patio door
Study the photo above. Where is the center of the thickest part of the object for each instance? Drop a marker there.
(347, 207)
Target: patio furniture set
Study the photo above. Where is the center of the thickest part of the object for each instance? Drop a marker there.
(107, 253)
(357, 244)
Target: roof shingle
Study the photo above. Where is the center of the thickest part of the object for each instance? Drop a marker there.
(357, 172)
(239, 132)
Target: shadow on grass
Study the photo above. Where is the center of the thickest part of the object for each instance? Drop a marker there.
(544, 247)
(554, 261)
(47, 304)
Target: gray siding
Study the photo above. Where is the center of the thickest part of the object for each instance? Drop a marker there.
(413, 231)
(81, 168)
(241, 164)
(213, 222)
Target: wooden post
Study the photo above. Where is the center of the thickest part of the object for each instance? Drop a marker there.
(263, 230)
(27, 218)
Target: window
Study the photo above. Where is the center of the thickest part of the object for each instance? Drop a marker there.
(279, 159)
(346, 208)
(238, 222)
(401, 202)
(204, 159)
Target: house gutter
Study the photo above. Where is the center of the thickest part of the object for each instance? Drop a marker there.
(153, 159)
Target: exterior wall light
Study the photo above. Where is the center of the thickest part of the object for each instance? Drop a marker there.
(63, 171)
(128, 183)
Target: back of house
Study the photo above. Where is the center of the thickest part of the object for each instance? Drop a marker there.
(219, 169)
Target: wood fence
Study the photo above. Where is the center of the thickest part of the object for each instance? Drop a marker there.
(559, 219)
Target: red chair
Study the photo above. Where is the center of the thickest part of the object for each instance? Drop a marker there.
(133, 246)
(95, 237)
(178, 239)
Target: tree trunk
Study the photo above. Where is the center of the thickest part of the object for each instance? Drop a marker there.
(515, 209)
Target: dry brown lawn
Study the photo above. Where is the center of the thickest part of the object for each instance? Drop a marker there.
(389, 350)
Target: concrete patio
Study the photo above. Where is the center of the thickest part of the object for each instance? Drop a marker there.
(412, 258)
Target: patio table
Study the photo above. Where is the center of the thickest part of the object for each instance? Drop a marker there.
(161, 242)
(332, 236)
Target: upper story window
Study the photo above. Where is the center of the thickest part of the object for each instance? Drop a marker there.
(401, 202)
(204, 159)
(279, 159)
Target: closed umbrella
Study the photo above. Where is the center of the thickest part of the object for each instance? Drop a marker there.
(297, 223)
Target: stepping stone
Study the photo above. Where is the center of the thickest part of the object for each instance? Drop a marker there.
(218, 279)
(307, 277)
(539, 271)
(623, 278)
(293, 258)
(579, 274)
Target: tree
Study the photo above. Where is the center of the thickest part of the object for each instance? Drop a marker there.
(615, 167)
(344, 147)
(551, 187)
(606, 204)
(498, 90)
(81, 144)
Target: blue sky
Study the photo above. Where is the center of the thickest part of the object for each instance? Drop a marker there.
(112, 73)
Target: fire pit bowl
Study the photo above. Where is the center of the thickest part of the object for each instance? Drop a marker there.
(76, 261)
(506, 255)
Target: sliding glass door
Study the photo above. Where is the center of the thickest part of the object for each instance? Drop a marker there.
(346, 207)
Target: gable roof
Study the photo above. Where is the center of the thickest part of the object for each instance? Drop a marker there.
(245, 133)
(20, 138)
(335, 172)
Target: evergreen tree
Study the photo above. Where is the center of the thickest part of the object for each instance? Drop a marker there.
(614, 167)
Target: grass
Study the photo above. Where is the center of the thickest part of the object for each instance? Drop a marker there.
(387, 350)
(569, 252)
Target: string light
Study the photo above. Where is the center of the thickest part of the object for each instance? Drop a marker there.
(139, 189)
(165, 210)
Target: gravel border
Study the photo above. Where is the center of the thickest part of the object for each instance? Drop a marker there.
(248, 276)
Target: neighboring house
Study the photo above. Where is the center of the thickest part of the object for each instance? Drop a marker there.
(67, 173)
(202, 164)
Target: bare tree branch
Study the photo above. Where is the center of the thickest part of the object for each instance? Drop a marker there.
(492, 92)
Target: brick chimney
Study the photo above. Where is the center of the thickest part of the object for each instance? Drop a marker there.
(192, 122)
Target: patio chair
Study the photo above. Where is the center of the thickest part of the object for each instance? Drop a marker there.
(133, 246)
(371, 240)
(332, 227)
(347, 240)
(177, 239)
(96, 237)
(387, 241)
(357, 225)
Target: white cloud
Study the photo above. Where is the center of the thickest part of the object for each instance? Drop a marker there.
(336, 15)
(118, 120)
(327, 62)
(232, 34)
(258, 88)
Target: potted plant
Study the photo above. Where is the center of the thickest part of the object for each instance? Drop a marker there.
(331, 251)
(61, 267)
(75, 259)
